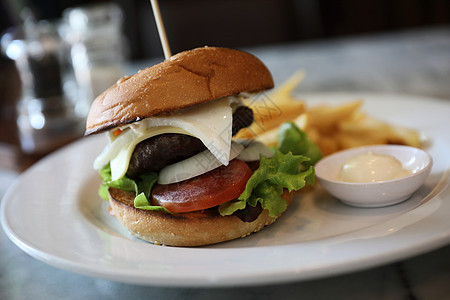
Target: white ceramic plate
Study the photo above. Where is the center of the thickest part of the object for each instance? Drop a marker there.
(53, 213)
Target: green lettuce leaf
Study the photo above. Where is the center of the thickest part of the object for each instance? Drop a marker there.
(292, 139)
(291, 167)
(123, 183)
(145, 184)
(266, 184)
(141, 201)
(142, 187)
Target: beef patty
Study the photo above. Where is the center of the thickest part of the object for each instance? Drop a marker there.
(153, 154)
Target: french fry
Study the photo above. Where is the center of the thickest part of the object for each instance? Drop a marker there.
(271, 110)
(406, 136)
(325, 117)
(283, 94)
(368, 128)
(364, 125)
(346, 140)
(270, 137)
(332, 128)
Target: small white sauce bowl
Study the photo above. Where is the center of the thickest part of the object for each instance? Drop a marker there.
(380, 193)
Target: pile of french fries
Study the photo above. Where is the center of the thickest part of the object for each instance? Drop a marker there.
(332, 128)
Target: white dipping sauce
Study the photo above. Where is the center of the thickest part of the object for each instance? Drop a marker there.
(370, 167)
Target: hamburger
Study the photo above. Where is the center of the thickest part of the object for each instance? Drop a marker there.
(172, 171)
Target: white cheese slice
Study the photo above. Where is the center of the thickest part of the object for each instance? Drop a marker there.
(113, 148)
(211, 123)
(119, 164)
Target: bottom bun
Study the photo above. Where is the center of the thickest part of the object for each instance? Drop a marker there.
(196, 228)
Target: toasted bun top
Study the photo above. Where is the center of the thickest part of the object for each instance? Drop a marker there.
(186, 79)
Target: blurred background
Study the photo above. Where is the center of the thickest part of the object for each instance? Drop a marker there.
(56, 56)
(240, 23)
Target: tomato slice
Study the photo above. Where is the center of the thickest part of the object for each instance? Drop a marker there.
(205, 191)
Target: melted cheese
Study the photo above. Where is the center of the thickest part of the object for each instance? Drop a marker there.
(211, 123)
(119, 164)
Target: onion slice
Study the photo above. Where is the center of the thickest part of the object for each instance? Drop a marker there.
(195, 165)
(253, 151)
(113, 148)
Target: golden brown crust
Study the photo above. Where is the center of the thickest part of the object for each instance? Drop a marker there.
(186, 79)
(185, 229)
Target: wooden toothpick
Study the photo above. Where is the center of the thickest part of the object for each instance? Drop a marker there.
(161, 30)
